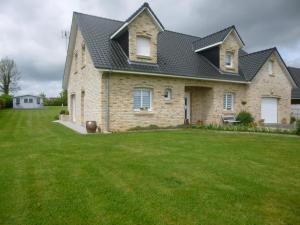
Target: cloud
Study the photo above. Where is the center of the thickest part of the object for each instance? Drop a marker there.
(31, 29)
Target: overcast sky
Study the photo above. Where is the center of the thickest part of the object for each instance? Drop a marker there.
(31, 29)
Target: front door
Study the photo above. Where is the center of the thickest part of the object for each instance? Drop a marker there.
(187, 107)
(73, 108)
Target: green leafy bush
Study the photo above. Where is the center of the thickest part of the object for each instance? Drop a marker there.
(293, 120)
(245, 118)
(6, 101)
(298, 127)
(62, 112)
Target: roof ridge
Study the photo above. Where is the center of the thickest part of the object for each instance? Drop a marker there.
(183, 33)
(268, 49)
(232, 26)
(101, 17)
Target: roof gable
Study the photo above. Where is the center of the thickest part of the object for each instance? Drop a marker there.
(216, 39)
(295, 73)
(144, 7)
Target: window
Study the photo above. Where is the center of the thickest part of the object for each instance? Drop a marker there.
(168, 94)
(228, 101)
(83, 54)
(18, 101)
(25, 100)
(142, 99)
(143, 46)
(229, 59)
(270, 67)
(30, 100)
(38, 101)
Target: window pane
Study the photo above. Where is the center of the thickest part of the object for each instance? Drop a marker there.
(143, 46)
(228, 58)
(137, 99)
(146, 98)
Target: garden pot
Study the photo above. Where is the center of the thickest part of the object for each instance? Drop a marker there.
(91, 126)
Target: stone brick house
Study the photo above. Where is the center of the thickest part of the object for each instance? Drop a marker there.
(295, 72)
(131, 73)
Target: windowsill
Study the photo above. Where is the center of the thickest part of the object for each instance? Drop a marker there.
(168, 101)
(144, 57)
(229, 67)
(227, 111)
(143, 112)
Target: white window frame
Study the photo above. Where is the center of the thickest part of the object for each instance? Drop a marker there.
(271, 67)
(143, 46)
(231, 55)
(141, 99)
(25, 100)
(225, 101)
(168, 94)
(18, 101)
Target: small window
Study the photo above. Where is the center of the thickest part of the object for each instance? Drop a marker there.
(228, 101)
(142, 99)
(38, 101)
(229, 59)
(25, 100)
(143, 46)
(83, 54)
(168, 94)
(18, 101)
(270, 67)
(30, 100)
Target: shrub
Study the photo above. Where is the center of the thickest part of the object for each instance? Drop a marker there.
(56, 117)
(67, 112)
(245, 118)
(298, 127)
(293, 120)
(6, 101)
(62, 112)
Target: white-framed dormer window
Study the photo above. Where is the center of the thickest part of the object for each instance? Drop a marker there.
(142, 99)
(229, 59)
(168, 94)
(143, 46)
(228, 101)
(270, 67)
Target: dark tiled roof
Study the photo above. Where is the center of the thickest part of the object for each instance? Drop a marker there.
(251, 63)
(212, 38)
(175, 52)
(295, 72)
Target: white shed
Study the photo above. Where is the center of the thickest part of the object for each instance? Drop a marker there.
(28, 102)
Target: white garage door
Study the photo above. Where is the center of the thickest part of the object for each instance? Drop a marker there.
(269, 110)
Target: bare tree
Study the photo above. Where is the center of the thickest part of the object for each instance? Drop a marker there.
(9, 76)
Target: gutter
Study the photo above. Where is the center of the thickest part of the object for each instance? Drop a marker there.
(173, 76)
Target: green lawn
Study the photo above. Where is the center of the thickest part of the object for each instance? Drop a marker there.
(51, 175)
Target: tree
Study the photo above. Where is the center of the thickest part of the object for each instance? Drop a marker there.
(9, 76)
(42, 95)
(64, 97)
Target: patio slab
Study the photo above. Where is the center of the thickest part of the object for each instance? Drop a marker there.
(73, 126)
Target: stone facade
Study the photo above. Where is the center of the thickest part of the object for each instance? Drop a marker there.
(108, 98)
(85, 84)
(265, 85)
(143, 26)
(231, 45)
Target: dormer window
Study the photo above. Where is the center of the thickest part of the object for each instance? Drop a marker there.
(229, 59)
(270, 67)
(143, 46)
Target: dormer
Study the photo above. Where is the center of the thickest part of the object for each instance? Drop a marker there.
(138, 35)
(221, 49)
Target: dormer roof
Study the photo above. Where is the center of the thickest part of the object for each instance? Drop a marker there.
(216, 39)
(144, 7)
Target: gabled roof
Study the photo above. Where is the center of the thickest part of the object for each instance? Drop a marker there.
(181, 60)
(250, 64)
(144, 7)
(295, 72)
(216, 39)
(35, 96)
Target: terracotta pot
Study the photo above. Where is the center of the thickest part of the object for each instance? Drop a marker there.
(91, 126)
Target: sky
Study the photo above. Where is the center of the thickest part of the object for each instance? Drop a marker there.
(31, 30)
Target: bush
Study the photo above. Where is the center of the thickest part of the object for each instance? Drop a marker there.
(293, 120)
(67, 112)
(6, 101)
(56, 117)
(298, 127)
(62, 112)
(245, 118)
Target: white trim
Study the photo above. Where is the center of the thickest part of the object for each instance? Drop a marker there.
(225, 101)
(237, 36)
(127, 23)
(210, 46)
(141, 89)
(173, 76)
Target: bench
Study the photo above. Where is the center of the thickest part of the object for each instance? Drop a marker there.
(229, 119)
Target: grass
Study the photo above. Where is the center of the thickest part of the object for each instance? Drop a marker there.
(51, 175)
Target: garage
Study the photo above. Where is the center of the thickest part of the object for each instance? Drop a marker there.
(269, 110)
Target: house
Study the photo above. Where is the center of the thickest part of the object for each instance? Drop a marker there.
(295, 72)
(27, 102)
(130, 73)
